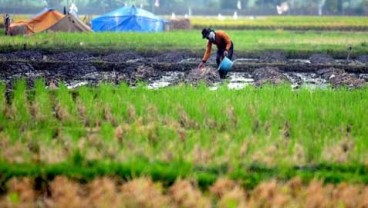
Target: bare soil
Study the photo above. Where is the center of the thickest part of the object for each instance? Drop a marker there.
(132, 67)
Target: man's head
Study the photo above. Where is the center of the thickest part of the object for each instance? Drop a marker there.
(205, 32)
(208, 33)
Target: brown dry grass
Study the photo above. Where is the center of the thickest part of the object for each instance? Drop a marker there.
(22, 192)
(186, 195)
(339, 152)
(143, 192)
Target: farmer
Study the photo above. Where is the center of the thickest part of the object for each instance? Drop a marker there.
(225, 47)
(6, 23)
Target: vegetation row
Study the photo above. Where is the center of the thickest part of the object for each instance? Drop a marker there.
(299, 23)
(293, 43)
(249, 135)
(143, 192)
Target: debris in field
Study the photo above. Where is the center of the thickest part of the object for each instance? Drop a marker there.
(207, 75)
(70, 56)
(273, 57)
(363, 59)
(270, 75)
(180, 24)
(339, 78)
(144, 72)
(171, 57)
(321, 59)
(122, 57)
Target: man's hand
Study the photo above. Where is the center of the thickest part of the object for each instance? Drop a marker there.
(226, 53)
(201, 65)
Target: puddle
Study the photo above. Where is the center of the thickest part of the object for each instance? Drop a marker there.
(240, 80)
(235, 80)
(166, 80)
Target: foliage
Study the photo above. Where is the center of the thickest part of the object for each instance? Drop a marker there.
(247, 41)
(335, 7)
(249, 135)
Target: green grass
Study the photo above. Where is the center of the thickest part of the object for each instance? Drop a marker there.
(246, 42)
(250, 134)
(349, 23)
(284, 22)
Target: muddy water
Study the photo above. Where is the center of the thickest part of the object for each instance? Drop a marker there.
(162, 70)
(240, 80)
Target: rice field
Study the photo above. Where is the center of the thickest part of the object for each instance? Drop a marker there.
(246, 42)
(188, 146)
(139, 192)
(324, 23)
(249, 135)
(347, 23)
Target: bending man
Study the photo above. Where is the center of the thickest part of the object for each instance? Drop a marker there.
(225, 47)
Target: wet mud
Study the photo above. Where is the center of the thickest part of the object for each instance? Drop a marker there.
(170, 68)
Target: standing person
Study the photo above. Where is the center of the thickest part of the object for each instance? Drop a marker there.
(225, 47)
(6, 23)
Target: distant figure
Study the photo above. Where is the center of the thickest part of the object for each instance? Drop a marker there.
(6, 23)
(235, 16)
(64, 10)
(225, 47)
(73, 10)
(239, 5)
(284, 7)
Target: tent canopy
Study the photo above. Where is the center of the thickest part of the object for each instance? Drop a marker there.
(128, 19)
(69, 23)
(44, 21)
(48, 19)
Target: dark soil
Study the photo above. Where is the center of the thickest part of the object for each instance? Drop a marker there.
(172, 57)
(339, 78)
(321, 59)
(22, 55)
(206, 75)
(70, 56)
(131, 67)
(363, 59)
(121, 57)
(272, 57)
(269, 75)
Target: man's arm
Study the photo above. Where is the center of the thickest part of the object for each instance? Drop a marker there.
(208, 52)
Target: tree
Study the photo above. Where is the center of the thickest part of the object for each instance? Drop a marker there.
(228, 4)
(334, 7)
(268, 3)
(53, 3)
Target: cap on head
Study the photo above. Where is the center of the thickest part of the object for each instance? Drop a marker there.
(205, 32)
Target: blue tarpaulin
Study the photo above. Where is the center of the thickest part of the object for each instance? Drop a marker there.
(128, 19)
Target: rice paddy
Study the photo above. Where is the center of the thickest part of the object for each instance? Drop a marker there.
(295, 44)
(274, 132)
(186, 145)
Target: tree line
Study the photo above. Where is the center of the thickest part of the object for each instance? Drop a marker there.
(197, 7)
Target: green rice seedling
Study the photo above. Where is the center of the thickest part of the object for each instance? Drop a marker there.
(110, 105)
(248, 42)
(250, 134)
(20, 116)
(88, 106)
(19, 102)
(66, 112)
(107, 132)
(283, 22)
(42, 104)
(65, 106)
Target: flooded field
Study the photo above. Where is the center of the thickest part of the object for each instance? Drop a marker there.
(167, 69)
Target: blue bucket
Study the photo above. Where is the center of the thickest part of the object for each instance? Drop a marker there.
(225, 64)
